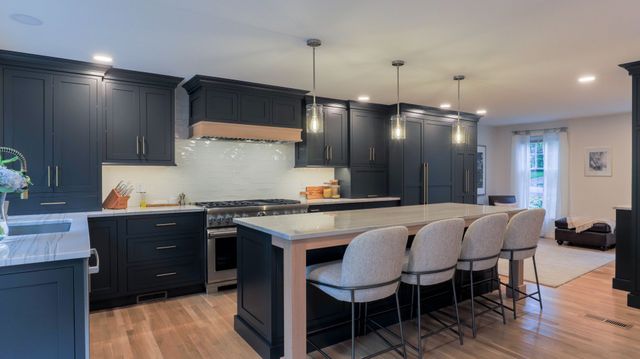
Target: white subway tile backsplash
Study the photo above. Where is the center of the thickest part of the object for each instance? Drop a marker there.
(220, 170)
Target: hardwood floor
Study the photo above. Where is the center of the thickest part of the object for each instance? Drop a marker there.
(201, 326)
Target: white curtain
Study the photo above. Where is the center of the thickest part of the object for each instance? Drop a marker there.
(520, 172)
(556, 179)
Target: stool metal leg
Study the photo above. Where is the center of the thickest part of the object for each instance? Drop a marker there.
(404, 347)
(513, 292)
(474, 330)
(535, 270)
(353, 326)
(504, 319)
(455, 302)
(419, 319)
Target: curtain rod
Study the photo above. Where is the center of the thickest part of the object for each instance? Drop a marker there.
(542, 130)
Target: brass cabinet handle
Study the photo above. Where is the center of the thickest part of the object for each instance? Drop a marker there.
(330, 153)
(165, 247)
(48, 176)
(370, 155)
(52, 203)
(169, 224)
(138, 145)
(169, 274)
(425, 183)
(144, 146)
(57, 176)
(374, 153)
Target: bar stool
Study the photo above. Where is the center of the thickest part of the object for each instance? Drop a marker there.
(370, 270)
(520, 242)
(432, 260)
(481, 248)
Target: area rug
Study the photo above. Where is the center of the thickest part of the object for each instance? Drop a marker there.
(558, 265)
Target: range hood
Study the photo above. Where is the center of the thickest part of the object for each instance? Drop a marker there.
(236, 131)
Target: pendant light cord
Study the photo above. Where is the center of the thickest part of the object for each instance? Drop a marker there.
(459, 102)
(398, 88)
(314, 76)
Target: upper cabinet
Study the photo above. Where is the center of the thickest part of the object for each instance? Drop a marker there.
(368, 134)
(139, 126)
(213, 99)
(329, 148)
(51, 113)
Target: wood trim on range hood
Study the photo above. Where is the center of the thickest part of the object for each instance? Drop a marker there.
(236, 131)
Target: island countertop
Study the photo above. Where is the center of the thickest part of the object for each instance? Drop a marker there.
(46, 247)
(315, 225)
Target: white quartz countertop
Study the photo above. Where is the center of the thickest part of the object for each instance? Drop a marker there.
(323, 201)
(46, 247)
(132, 211)
(316, 225)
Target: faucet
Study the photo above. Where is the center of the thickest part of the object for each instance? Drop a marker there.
(23, 165)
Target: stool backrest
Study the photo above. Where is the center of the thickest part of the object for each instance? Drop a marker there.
(483, 239)
(523, 230)
(436, 246)
(374, 257)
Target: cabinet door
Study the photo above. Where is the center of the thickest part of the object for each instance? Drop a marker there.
(157, 125)
(369, 182)
(470, 166)
(287, 112)
(103, 236)
(464, 183)
(336, 136)
(75, 125)
(379, 123)
(412, 168)
(38, 314)
(222, 106)
(255, 109)
(27, 125)
(437, 155)
(122, 122)
(363, 137)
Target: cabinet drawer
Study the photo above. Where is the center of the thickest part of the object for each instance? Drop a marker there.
(154, 248)
(164, 276)
(165, 224)
(53, 203)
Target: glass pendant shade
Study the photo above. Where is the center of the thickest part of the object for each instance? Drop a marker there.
(458, 134)
(398, 127)
(315, 118)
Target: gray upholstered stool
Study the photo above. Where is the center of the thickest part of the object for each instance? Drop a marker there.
(481, 248)
(520, 242)
(432, 260)
(370, 270)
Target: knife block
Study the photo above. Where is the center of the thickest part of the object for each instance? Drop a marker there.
(115, 201)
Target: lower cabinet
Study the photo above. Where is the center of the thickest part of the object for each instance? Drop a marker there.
(44, 310)
(147, 257)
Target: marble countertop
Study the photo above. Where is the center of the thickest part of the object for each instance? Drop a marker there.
(132, 211)
(323, 201)
(627, 207)
(316, 225)
(46, 247)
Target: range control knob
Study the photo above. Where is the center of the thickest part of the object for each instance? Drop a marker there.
(262, 214)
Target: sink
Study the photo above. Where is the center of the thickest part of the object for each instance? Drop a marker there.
(20, 229)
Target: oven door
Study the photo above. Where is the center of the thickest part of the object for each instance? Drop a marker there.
(221, 255)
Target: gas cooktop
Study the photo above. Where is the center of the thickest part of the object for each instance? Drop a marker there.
(246, 203)
(222, 213)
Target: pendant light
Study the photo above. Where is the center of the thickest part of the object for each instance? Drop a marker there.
(398, 121)
(315, 116)
(458, 131)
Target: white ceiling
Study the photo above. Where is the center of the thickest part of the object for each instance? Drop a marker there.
(521, 58)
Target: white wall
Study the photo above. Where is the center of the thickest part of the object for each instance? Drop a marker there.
(218, 170)
(588, 196)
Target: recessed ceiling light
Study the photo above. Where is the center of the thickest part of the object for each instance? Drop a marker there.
(103, 58)
(445, 105)
(363, 98)
(586, 78)
(481, 112)
(26, 19)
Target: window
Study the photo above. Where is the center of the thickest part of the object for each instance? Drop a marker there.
(536, 167)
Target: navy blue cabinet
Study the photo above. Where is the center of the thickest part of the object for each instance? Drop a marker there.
(43, 309)
(215, 99)
(147, 256)
(329, 148)
(368, 134)
(52, 118)
(465, 166)
(139, 126)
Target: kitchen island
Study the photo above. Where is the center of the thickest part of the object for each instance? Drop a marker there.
(276, 307)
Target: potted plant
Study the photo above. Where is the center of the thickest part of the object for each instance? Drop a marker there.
(11, 181)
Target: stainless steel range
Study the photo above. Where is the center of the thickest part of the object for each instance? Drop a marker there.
(221, 233)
